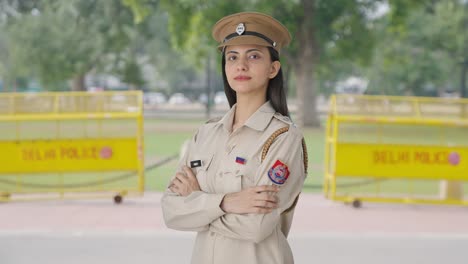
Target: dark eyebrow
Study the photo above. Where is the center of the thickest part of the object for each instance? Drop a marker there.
(250, 50)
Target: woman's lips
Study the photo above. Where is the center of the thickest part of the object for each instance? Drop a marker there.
(242, 78)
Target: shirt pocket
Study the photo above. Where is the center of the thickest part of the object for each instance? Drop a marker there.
(201, 172)
(230, 178)
(246, 174)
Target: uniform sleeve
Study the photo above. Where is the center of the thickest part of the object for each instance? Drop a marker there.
(256, 227)
(194, 212)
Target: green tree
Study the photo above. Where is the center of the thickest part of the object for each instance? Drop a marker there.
(171, 65)
(61, 40)
(420, 55)
(9, 70)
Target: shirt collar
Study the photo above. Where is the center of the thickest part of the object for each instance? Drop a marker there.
(228, 119)
(258, 121)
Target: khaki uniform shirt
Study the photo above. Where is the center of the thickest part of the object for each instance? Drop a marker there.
(239, 238)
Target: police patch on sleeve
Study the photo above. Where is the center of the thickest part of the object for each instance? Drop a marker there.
(279, 173)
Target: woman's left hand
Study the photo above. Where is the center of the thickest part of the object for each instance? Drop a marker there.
(184, 182)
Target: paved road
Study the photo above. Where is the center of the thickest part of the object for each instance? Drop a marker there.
(98, 232)
(157, 247)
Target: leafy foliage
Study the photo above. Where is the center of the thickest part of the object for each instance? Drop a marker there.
(60, 40)
(416, 47)
(422, 59)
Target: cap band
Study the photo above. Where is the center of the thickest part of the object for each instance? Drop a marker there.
(251, 33)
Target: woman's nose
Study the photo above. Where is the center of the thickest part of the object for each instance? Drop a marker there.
(242, 64)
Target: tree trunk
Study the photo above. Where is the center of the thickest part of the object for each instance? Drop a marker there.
(464, 68)
(78, 83)
(208, 88)
(305, 66)
(14, 85)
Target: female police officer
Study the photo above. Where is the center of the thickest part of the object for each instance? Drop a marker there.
(241, 175)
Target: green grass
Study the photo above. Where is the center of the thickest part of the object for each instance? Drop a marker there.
(315, 140)
(159, 145)
(158, 178)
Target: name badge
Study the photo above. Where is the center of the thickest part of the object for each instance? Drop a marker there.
(195, 163)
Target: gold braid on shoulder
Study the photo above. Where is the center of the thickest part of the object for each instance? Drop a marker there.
(272, 138)
(306, 155)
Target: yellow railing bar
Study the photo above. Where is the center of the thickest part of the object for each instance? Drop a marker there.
(70, 93)
(416, 107)
(403, 200)
(53, 117)
(401, 120)
(132, 109)
(141, 149)
(404, 98)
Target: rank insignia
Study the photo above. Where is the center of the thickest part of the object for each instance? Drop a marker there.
(195, 163)
(279, 173)
(240, 160)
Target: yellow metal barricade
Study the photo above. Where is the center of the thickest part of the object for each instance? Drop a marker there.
(71, 145)
(396, 149)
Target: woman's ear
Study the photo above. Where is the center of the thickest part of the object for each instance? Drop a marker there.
(275, 67)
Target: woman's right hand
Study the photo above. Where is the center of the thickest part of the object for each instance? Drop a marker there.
(258, 199)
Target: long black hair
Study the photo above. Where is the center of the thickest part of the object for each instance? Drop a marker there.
(275, 91)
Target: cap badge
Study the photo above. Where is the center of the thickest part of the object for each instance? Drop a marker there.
(240, 29)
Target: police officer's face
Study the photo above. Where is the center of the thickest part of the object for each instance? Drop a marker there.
(249, 68)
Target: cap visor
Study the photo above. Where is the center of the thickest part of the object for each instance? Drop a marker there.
(245, 40)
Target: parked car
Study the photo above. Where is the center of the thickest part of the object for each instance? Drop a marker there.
(203, 98)
(178, 98)
(220, 98)
(154, 98)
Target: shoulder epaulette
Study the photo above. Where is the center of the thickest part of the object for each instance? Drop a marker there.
(283, 118)
(270, 140)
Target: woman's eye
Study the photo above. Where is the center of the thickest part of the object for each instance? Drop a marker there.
(254, 56)
(231, 58)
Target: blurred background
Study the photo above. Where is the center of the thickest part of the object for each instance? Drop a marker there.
(386, 47)
(164, 48)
